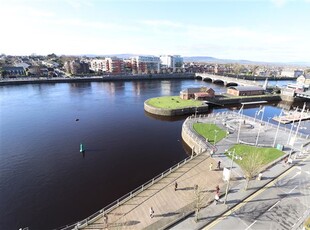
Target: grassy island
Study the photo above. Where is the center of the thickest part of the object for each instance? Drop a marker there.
(172, 102)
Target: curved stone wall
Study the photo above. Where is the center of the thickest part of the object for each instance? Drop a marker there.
(174, 112)
(193, 139)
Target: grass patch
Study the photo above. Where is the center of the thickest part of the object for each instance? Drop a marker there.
(172, 102)
(268, 154)
(209, 131)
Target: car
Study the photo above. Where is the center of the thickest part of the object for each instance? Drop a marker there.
(306, 225)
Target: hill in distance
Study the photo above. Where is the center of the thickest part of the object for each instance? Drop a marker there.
(208, 59)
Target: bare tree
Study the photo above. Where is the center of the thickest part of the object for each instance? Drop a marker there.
(251, 166)
(237, 69)
(199, 200)
(254, 69)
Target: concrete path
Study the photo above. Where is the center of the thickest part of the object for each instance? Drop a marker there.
(176, 207)
(167, 203)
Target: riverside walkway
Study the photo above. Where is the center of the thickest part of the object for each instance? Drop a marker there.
(167, 203)
(170, 206)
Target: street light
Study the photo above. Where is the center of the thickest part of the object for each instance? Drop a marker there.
(215, 135)
(240, 118)
(279, 121)
(268, 121)
(233, 156)
(260, 123)
(292, 125)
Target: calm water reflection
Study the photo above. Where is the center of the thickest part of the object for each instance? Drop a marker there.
(46, 183)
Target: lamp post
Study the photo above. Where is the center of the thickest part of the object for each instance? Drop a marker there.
(215, 135)
(268, 121)
(300, 118)
(232, 154)
(256, 143)
(240, 118)
(292, 125)
(279, 121)
(260, 124)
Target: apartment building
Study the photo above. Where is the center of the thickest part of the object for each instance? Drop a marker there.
(171, 61)
(145, 64)
(114, 65)
(76, 67)
(98, 65)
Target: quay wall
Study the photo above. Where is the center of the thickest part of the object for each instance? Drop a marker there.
(174, 112)
(229, 101)
(75, 79)
(193, 139)
(259, 77)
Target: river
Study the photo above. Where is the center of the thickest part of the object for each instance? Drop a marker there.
(45, 182)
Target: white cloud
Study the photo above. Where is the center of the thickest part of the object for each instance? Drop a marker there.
(160, 23)
(78, 4)
(279, 3)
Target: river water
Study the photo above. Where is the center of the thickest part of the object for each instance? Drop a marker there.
(45, 182)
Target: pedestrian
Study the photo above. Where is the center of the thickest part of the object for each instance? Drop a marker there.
(151, 212)
(175, 186)
(217, 189)
(216, 198)
(210, 166)
(285, 160)
(196, 187)
(105, 216)
(219, 165)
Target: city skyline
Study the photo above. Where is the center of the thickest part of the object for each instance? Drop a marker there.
(262, 30)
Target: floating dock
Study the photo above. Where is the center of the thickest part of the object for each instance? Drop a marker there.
(292, 117)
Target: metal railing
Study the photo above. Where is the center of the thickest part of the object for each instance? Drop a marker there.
(268, 124)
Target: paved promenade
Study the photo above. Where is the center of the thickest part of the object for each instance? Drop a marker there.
(172, 206)
(167, 203)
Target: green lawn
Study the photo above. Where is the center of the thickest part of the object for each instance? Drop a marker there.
(268, 154)
(209, 130)
(172, 102)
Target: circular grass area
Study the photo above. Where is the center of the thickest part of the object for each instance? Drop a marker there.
(172, 102)
(210, 131)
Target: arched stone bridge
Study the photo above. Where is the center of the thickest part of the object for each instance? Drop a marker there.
(226, 81)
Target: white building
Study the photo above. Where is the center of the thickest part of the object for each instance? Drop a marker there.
(171, 61)
(98, 65)
(145, 64)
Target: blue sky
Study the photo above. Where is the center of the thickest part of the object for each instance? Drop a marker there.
(259, 30)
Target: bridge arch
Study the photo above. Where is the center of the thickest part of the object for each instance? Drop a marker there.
(207, 79)
(231, 84)
(218, 82)
(198, 77)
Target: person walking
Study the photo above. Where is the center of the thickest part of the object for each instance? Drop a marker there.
(216, 198)
(219, 165)
(285, 160)
(210, 166)
(175, 186)
(151, 212)
(217, 190)
(105, 220)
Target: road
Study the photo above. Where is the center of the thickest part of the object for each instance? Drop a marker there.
(282, 204)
